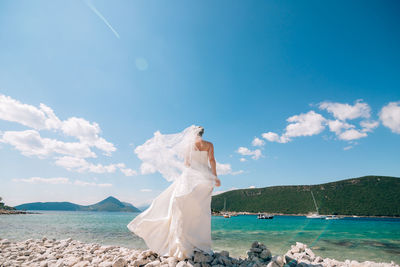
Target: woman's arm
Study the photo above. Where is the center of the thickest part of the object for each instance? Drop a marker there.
(213, 163)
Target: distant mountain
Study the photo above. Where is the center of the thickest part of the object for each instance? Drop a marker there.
(108, 204)
(364, 196)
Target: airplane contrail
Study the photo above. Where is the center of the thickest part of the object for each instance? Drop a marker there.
(94, 9)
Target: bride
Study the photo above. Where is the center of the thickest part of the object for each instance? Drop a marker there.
(178, 221)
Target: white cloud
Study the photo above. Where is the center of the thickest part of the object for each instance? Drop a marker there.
(225, 169)
(237, 172)
(27, 115)
(348, 147)
(58, 180)
(83, 183)
(351, 134)
(147, 168)
(274, 137)
(255, 154)
(390, 116)
(305, 124)
(128, 171)
(82, 165)
(368, 126)
(337, 126)
(36, 180)
(243, 159)
(145, 190)
(252, 186)
(30, 143)
(87, 133)
(258, 142)
(345, 111)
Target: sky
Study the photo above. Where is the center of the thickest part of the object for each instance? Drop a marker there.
(289, 92)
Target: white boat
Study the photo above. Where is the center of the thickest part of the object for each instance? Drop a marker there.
(331, 217)
(315, 215)
(265, 216)
(226, 215)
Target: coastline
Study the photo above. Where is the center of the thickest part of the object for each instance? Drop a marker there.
(236, 213)
(11, 212)
(232, 213)
(68, 252)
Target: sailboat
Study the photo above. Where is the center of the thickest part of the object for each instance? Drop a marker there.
(315, 215)
(226, 215)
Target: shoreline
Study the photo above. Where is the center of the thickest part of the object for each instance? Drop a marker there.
(235, 213)
(68, 252)
(232, 213)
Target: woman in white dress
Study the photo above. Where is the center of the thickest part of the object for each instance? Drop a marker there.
(178, 221)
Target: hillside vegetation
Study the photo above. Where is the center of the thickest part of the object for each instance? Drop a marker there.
(364, 196)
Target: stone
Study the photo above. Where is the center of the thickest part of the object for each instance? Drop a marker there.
(256, 250)
(224, 253)
(119, 262)
(290, 261)
(155, 263)
(255, 244)
(172, 261)
(181, 264)
(265, 254)
(273, 264)
(200, 257)
(105, 264)
(82, 264)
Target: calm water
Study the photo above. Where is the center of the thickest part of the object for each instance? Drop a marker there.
(349, 238)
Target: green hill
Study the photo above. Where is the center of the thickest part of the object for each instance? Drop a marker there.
(364, 196)
(108, 204)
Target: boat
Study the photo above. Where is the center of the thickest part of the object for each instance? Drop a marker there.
(226, 214)
(315, 215)
(331, 217)
(265, 216)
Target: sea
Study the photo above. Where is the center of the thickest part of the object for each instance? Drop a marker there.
(354, 238)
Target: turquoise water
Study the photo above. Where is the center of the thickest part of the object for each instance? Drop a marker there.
(361, 239)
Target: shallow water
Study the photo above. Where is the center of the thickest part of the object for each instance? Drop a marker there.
(361, 239)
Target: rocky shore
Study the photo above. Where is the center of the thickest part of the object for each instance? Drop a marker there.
(11, 212)
(68, 252)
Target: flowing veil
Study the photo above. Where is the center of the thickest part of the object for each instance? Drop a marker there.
(168, 153)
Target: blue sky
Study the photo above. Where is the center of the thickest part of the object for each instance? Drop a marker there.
(82, 83)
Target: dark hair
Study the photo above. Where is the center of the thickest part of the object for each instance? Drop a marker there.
(201, 131)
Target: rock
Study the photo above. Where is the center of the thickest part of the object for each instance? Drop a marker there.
(200, 257)
(82, 264)
(255, 244)
(119, 262)
(265, 254)
(290, 261)
(278, 260)
(256, 250)
(273, 264)
(105, 264)
(70, 261)
(181, 264)
(172, 261)
(155, 263)
(224, 253)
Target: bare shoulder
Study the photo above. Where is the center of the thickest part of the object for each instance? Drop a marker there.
(208, 144)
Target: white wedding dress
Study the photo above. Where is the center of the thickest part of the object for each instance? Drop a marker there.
(178, 221)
